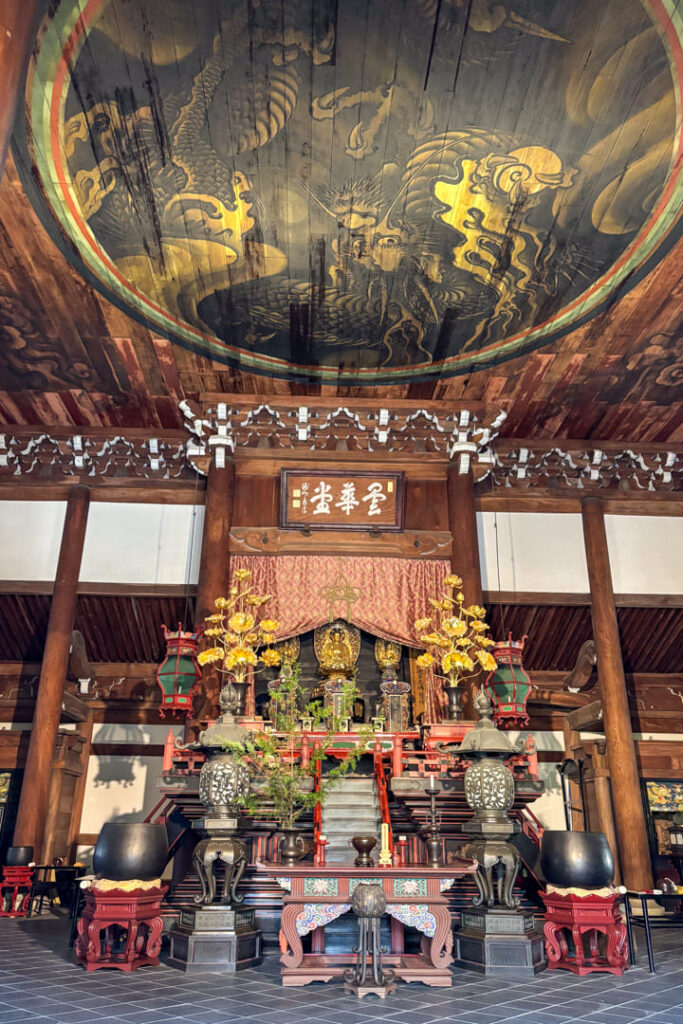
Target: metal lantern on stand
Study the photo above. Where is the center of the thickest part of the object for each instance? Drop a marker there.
(509, 685)
(179, 674)
(217, 931)
(495, 935)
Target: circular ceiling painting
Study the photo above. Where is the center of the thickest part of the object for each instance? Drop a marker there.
(357, 190)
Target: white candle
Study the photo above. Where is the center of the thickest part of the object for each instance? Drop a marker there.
(432, 782)
(322, 839)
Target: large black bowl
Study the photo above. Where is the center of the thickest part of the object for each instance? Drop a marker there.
(19, 856)
(576, 859)
(127, 850)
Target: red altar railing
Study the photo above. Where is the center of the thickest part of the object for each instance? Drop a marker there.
(531, 826)
(318, 809)
(380, 779)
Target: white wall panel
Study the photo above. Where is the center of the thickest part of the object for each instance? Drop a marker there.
(110, 732)
(646, 554)
(119, 789)
(131, 543)
(532, 551)
(30, 535)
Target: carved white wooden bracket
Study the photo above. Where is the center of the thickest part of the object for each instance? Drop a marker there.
(220, 430)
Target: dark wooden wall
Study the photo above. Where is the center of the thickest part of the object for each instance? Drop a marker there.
(257, 503)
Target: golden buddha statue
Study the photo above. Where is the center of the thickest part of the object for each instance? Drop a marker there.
(336, 648)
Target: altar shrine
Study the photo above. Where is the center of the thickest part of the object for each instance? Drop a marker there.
(309, 702)
(315, 896)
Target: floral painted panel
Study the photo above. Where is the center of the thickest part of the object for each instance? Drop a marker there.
(353, 882)
(317, 915)
(321, 886)
(415, 915)
(410, 887)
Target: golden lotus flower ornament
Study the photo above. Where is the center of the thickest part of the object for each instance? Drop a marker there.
(454, 637)
(242, 639)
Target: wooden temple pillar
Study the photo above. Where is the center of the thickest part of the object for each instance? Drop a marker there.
(35, 791)
(213, 574)
(462, 523)
(629, 816)
(17, 32)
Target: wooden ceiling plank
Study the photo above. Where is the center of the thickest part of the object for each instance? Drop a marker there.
(137, 380)
(165, 355)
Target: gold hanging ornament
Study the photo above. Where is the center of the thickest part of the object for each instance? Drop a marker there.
(342, 592)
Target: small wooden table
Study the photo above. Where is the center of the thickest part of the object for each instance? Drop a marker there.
(108, 916)
(314, 896)
(15, 891)
(584, 915)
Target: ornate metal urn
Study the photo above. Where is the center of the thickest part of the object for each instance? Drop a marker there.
(223, 783)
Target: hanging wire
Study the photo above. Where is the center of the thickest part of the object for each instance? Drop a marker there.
(501, 607)
(191, 553)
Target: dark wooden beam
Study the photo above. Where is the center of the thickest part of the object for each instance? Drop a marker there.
(462, 522)
(568, 500)
(103, 589)
(127, 749)
(74, 709)
(213, 573)
(634, 854)
(36, 784)
(533, 598)
(588, 718)
(146, 492)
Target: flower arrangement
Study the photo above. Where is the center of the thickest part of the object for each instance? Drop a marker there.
(284, 786)
(238, 631)
(455, 636)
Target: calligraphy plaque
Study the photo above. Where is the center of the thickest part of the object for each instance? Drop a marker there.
(334, 499)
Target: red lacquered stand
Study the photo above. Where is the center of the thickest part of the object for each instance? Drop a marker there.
(15, 891)
(107, 916)
(584, 915)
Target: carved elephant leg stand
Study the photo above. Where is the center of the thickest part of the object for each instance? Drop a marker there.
(233, 854)
(217, 933)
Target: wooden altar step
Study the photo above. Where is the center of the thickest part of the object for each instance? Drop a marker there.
(408, 967)
(350, 809)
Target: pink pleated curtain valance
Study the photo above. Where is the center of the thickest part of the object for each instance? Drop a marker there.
(393, 592)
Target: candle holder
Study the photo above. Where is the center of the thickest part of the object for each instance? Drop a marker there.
(431, 835)
(319, 852)
(400, 851)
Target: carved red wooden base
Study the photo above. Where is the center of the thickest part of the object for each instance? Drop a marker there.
(584, 916)
(15, 891)
(120, 929)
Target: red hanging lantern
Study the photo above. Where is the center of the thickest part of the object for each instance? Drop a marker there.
(509, 685)
(179, 674)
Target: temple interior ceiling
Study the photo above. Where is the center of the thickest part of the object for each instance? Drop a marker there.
(477, 202)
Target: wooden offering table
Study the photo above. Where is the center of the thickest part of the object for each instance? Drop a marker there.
(415, 896)
(569, 914)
